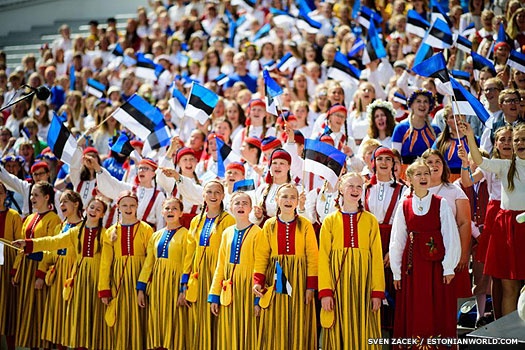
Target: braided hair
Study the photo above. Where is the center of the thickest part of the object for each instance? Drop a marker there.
(338, 201)
(99, 226)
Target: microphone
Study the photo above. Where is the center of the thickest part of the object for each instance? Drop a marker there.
(41, 92)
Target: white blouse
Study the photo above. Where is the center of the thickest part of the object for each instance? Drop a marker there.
(514, 200)
(493, 185)
(319, 205)
(379, 199)
(451, 192)
(449, 230)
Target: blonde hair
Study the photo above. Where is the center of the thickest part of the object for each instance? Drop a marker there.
(341, 186)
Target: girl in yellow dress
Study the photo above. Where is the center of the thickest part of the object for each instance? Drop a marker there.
(59, 263)
(167, 321)
(286, 265)
(10, 229)
(231, 294)
(200, 262)
(123, 254)
(84, 323)
(351, 274)
(31, 296)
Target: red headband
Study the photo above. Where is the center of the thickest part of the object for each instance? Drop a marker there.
(184, 151)
(236, 165)
(281, 154)
(137, 143)
(337, 108)
(90, 149)
(127, 194)
(327, 139)
(215, 135)
(379, 151)
(298, 137)
(253, 141)
(149, 162)
(500, 44)
(257, 102)
(39, 165)
(272, 144)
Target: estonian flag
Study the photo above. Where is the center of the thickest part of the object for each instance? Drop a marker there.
(244, 185)
(280, 17)
(341, 69)
(95, 88)
(270, 65)
(225, 156)
(160, 137)
(282, 285)
(439, 35)
(60, 140)
(479, 62)
(200, 103)
(221, 79)
(122, 145)
(306, 23)
(323, 160)
(462, 77)
(147, 69)
(365, 14)
(288, 62)
(72, 77)
(463, 44)
(469, 30)
(438, 12)
(416, 24)
(435, 67)
(118, 51)
(466, 103)
(359, 44)
(399, 98)
(177, 101)
(374, 47)
(262, 33)
(423, 53)
(516, 60)
(128, 61)
(138, 116)
(272, 90)
(306, 5)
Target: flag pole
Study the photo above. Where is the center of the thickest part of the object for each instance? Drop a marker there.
(454, 115)
(9, 244)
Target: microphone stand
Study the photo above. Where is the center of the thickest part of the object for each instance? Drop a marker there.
(25, 97)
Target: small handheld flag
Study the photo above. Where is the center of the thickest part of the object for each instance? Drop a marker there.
(517, 61)
(244, 185)
(341, 69)
(118, 51)
(221, 79)
(272, 87)
(95, 88)
(435, 67)
(374, 47)
(359, 45)
(147, 69)
(225, 155)
(72, 77)
(306, 23)
(60, 140)
(479, 62)
(416, 24)
(463, 44)
(323, 160)
(138, 116)
(201, 103)
(400, 98)
(439, 35)
(122, 145)
(439, 13)
(177, 102)
(466, 103)
(288, 62)
(282, 285)
(462, 77)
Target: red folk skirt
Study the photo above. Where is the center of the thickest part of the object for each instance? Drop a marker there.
(387, 310)
(425, 306)
(505, 258)
(483, 240)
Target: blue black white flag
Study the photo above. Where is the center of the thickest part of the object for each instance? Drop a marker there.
(516, 60)
(138, 116)
(439, 35)
(244, 185)
(95, 88)
(466, 103)
(225, 156)
(374, 46)
(60, 140)
(435, 67)
(282, 285)
(341, 69)
(324, 160)
(200, 103)
(416, 24)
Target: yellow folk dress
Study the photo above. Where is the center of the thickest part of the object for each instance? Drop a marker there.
(204, 240)
(236, 322)
(167, 324)
(84, 320)
(30, 302)
(361, 277)
(120, 266)
(10, 229)
(62, 260)
(287, 323)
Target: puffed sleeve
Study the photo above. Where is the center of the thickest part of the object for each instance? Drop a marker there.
(326, 285)
(376, 253)
(218, 277)
(497, 166)
(61, 240)
(110, 186)
(147, 268)
(398, 240)
(310, 206)
(189, 190)
(106, 261)
(166, 183)
(14, 183)
(263, 252)
(312, 255)
(451, 240)
(75, 167)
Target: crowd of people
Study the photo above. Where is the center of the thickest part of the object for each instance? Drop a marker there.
(158, 250)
